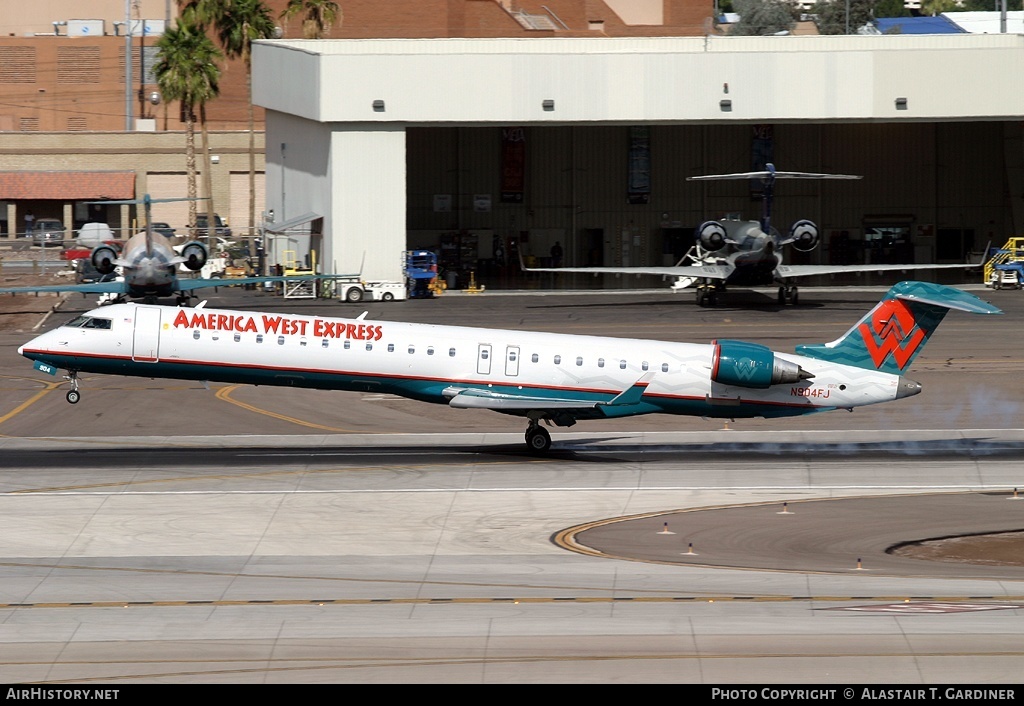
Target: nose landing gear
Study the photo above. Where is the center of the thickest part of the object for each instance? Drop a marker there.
(73, 394)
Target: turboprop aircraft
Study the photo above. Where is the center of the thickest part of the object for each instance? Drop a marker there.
(555, 378)
(149, 267)
(734, 252)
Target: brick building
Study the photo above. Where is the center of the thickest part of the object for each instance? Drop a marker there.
(70, 103)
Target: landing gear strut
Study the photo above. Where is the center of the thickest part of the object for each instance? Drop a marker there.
(707, 295)
(788, 293)
(537, 437)
(73, 394)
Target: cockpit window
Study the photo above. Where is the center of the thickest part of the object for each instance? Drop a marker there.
(85, 321)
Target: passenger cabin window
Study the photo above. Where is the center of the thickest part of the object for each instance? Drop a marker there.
(412, 349)
(238, 337)
(664, 367)
(195, 335)
(430, 350)
(348, 344)
(600, 362)
(535, 358)
(369, 346)
(391, 348)
(558, 360)
(622, 365)
(324, 343)
(451, 352)
(579, 360)
(643, 365)
(259, 338)
(280, 340)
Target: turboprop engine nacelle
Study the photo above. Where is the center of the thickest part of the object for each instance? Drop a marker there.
(712, 235)
(103, 257)
(195, 254)
(804, 236)
(752, 365)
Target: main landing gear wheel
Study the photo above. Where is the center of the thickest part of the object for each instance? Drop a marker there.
(707, 296)
(73, 396)
(788, 293)
(537, 438)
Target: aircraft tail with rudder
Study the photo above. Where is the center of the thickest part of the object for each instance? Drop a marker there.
(891, 335)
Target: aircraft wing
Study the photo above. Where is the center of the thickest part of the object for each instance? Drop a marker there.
(111, 287)
(706, 271)
(786, 271)
(476, 398)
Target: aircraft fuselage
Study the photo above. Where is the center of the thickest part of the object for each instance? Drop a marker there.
(508, 371)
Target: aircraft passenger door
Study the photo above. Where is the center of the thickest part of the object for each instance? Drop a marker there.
(483, 359)
(512, 361)
(146, 341)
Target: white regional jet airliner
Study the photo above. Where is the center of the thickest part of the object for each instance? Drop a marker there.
(551, 377)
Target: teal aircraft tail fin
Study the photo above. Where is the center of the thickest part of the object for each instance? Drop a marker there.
(892, 334)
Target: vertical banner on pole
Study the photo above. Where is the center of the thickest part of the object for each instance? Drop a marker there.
(513, 164)
(639, 187)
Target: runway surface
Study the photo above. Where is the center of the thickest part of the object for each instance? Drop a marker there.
(162, 532)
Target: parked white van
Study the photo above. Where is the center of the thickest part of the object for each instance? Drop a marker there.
(92, 234)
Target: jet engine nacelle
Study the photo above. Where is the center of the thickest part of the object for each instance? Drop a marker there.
(804, 235)
(195, 254)
(103, 257)
(752, 365)
(712, 235)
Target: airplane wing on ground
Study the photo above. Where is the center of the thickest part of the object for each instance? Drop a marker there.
(111, 287)
(786, 271)
(181, 285)
(695, 270)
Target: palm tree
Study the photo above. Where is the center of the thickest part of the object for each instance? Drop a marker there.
(186, 71)
(319, 16)
(238, 24)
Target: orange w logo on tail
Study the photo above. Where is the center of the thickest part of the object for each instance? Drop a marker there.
(895, 332)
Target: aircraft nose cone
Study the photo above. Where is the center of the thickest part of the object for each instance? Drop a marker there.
(907, 388)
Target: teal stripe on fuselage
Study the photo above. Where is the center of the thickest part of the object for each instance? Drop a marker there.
(424, 389)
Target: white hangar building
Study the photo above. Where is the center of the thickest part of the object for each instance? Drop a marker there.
(480, 147)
